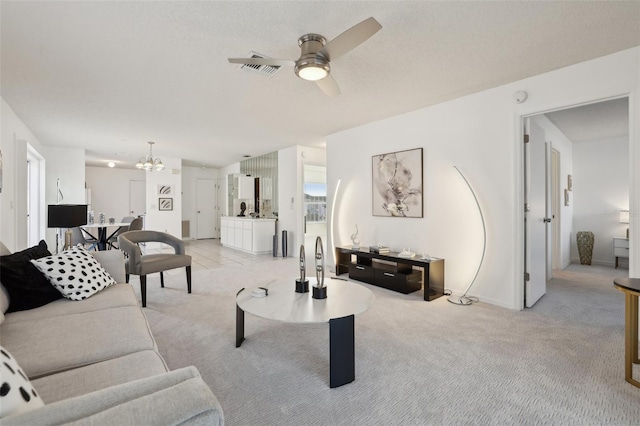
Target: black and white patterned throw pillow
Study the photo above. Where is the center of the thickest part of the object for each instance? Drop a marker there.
(75, 273)
(16, 393)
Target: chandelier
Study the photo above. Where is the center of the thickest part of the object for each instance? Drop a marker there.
(149, 163)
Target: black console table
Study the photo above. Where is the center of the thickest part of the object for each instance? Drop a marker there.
(391, 271)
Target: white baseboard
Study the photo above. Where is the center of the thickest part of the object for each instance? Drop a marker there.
(490, 300)
(594, 262)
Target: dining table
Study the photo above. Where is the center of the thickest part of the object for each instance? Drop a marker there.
(104, 232)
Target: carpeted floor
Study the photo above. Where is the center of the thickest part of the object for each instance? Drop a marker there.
(417, 363)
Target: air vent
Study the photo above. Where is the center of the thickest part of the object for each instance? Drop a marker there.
(260, 69)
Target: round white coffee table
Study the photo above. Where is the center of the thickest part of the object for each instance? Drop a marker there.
(344, 301)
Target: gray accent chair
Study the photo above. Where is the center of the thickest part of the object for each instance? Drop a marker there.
(144, 264)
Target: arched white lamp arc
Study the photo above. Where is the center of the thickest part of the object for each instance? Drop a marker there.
(464, 299)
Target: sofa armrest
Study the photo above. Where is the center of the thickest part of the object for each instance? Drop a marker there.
(113, 262)
(177, 397)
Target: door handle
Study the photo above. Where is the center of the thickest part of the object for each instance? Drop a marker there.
(389, 274)
(546, 219)
(360, 267)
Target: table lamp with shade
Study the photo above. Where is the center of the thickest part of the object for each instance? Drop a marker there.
(66, 216)
(624, 218)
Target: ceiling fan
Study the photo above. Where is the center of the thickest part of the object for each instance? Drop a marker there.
(316, 54)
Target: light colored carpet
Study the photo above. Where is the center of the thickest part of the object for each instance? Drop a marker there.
(417, 362)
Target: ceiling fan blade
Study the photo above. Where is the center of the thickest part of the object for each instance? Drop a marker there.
(350, 39)
(263, 61)
(329, 86)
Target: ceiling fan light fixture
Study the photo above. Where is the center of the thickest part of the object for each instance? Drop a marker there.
(312, 72)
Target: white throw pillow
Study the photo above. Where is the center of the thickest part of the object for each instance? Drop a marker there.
(75, 273)
(16, 392)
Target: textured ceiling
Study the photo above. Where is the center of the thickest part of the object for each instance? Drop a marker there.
(110, 76)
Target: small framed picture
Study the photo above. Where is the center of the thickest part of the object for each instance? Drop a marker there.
(165, 204)
(566, 197)
(569, 183)
(165, 190)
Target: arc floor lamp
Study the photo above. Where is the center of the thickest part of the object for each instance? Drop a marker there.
(464, 299)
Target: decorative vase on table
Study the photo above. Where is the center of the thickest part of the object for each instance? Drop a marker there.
(585, 241)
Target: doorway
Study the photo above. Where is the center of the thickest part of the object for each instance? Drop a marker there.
(35, 197)
(206, 209)
(589, 144)
(314, 209)
(137, 198)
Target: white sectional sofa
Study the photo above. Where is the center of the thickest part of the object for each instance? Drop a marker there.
(96, 362)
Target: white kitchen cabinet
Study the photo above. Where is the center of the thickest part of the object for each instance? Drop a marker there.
(246, 188)
(246, 234)
(224, 239)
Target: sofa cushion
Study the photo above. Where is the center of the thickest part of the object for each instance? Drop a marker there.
(26, 286)
(75, 273)
(17, 394)
(179, 397)
(50, 345)
(100, 375)
(4, 302)
(117, 295)
(113, 262)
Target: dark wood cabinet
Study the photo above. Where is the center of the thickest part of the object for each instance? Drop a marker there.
(392, 272)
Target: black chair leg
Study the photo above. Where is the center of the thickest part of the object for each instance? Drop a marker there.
(126, 278)
(143, 290)
(189, 279)
(161, 279)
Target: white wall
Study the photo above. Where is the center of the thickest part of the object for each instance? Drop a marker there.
(600, 191)
(67, 165)
(110, 190)
(481, 134)
(565, 147)
(15, 136)
(189, 200)
(165, 221)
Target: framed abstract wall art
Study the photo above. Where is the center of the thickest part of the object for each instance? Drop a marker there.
(397, 184)
(165, 204)
(165, 190)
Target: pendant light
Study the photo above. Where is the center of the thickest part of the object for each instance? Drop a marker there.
(149, 163)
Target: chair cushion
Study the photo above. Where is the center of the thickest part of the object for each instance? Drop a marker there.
(162, 262)
(27, 287)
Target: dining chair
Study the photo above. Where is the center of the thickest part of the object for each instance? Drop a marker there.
(141, 264)
(79, 236)
(114, 238)
(136, 224)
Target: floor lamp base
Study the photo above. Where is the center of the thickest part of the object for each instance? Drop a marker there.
(460, 300)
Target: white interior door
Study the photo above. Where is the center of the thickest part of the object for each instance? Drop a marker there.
(137, 197)
(538, 216)
(206, 204)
